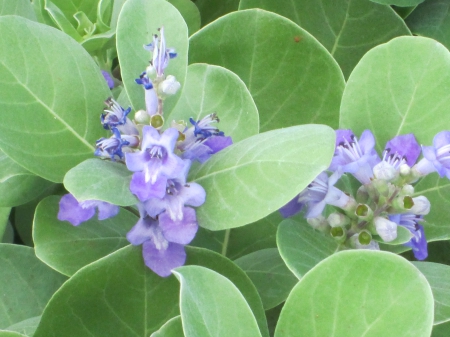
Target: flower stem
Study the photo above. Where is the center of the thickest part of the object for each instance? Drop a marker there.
(225, 242)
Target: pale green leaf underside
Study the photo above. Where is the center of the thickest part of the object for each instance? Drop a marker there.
(347, 28)
(210, 304)
(26, 327)
(211, 89)
(253, 178)
(359, 293)
(46, 130)
(292, 77)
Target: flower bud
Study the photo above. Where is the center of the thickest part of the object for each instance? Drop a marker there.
(169, 86)
(364, 238)
(405, 170)
(339, 233)
(386, 229)
(385, 171)
(338, 219)
(319, 223)
(421, 206)
(157, 121)
(401, 204)
(354, 243)
(141, 117)
(362, 196)
(364, 212)
(150, 72)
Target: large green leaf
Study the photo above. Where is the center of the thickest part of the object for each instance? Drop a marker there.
(441, 330)
(4, 219)
(253, 178)
(47, 130)
(397, 88)
(211, 89)
(119, 296)
(432, 19)
(26, 284)
(190, 13)
(26, 327)
(209, 302)
(96, 179)
(359, 293)
(173, 328)
(67, 248)
(291, 76)
(210, 10)
(438, 276)
(269, 274)
(138, 21)
(400, 3)
(4, 333)
(347, 28)
(17, 7)
(17, 185)
(302, 247)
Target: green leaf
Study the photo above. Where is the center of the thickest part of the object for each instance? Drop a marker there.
(211, 10)
(4, 333)
(70, 7)
(118, 296)
(441, 330)
(17, 7)
(269, 274)
(61, 21)
(67, 248)
(400, 3)
(403, 236)
(431, 19)
(190, 13)
(438, 276)
(138, 21)
(303, 247)
(26, 284)
(17, 185)
(46, 130)
(397, 88)
(26, 327)
(268, 169)
(4, 218)
(172, 328)
(210, 302)
(99, 41)
(348, 29)
(96, 179)
(211, 89)
(359, 293)
(273, 56)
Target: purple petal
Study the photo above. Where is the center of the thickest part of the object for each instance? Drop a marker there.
(146, 190)
(193, 194)
(343, 136)
(106, 210)
(70, 210)
(108, 79)
(217, 143)
(405, 146)
(418, 243)
(367, 142)
(162, 261)
(142, 231)
(291, 208)
(179, 231)
(136, 161)
(441, 139)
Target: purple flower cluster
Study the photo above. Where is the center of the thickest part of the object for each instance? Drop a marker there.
(384, 200)
(160, 162)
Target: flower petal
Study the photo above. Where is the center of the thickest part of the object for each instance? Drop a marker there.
(179, 231)
(162, 261)
(70, 210)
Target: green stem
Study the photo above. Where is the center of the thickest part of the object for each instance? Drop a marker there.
(225, 242)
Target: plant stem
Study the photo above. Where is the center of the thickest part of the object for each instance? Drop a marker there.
(225, 242)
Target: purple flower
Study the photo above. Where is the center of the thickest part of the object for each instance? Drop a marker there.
(154, 164)
(116, 117)
(111, 147)
(108, 79)
(151, 99)
(436, 157)
(402, 149)
(316, 196)
(160, 54)
(418, 242)
(353, 156)
(163, 239)
(77, 212)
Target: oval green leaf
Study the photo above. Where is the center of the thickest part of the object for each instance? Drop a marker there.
(261, 173)
(291, 76)
(138, 21)
(46, 130)
(211, 302)
(269, 274)
(26, 284)
(211, 89)
(347, 28)
(96, 179)
(302, 247)
(359, 293)
(67, 248)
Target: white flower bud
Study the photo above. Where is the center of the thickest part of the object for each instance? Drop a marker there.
(386, 229)
(150, 72)
(338, 219)
(169, 86)
(319, 223)
(421, 206)
(141, 117)
(404, 169)
(385, 171)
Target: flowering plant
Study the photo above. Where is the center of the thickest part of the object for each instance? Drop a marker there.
(213, 168)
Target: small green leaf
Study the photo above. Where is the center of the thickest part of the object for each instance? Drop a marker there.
(348, 29)
(67, 248)
(438, 276)
(138, 21)
(172, 328)
(269, 274)
(211, 89)
(46, 130)
(291, 76)
(302, 247)
(70, 7)
(211, 302)
(17, 7)
(358, 293)
(96, 179)
(26, 284)
(61, 21)
(268, 170)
